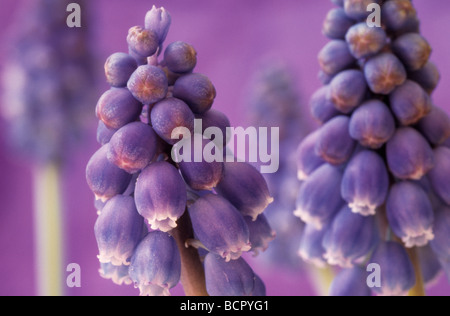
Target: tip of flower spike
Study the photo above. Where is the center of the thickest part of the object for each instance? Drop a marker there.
(418, 239)
(362, 209)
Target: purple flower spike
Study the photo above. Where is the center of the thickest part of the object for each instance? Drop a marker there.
(318, 200)
(397, 271)
(439, 175)
(158, 20)
(365, 184)
(161, 195)
(410, 214)
(334, 143)
(156, 265)
(118, 230)
(260, 233)
(234, 278)
(409, 155)
(441, 242)
(104, 178)
(245, 188)
(350, 282)
(350, 237)
(117, 274)
(311, 249)
(220, 227)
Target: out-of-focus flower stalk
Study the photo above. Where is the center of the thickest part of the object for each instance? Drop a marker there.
(48, 230)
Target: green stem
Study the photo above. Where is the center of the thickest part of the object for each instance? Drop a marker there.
(48, 235)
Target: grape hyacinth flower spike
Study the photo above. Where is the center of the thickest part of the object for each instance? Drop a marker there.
(381, 153)
(47, 89)
(157, 203)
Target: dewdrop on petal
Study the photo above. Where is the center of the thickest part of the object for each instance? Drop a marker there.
(156, 265)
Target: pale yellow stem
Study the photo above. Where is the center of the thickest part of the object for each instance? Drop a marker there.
(48, 234)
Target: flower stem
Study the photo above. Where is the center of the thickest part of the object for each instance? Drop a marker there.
(419, 287)
(192, 272)
(322, 279)
(48, 236)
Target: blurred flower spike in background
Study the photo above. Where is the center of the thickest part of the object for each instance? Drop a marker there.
(160, 218)
(381, 141)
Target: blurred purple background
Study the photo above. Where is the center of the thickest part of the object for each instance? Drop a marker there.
(230, 37)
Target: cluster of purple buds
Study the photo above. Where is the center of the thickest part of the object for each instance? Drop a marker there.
(45, 80)
(273, 101)
(143, 190)
(376, 174)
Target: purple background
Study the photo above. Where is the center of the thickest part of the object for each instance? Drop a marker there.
(230, 37)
